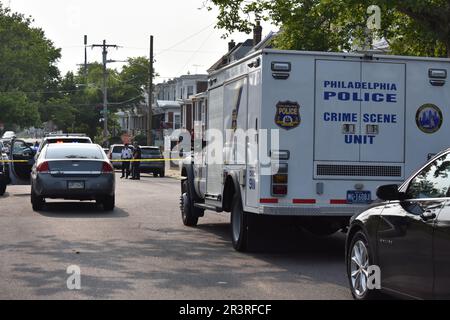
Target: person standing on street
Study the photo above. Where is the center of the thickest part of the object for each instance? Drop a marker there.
(137, 156)
(126, 155)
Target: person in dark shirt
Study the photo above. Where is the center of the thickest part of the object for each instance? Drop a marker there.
(136, 166)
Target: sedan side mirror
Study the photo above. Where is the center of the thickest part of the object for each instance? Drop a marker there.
(389, 193)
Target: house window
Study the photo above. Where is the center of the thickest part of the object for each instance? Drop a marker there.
(177, 122)
(190, 91)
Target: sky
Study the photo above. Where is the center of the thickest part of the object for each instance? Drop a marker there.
(185, 39)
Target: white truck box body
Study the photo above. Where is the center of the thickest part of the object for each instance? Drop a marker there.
(393, 116)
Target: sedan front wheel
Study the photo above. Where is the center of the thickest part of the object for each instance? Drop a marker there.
(359, 260)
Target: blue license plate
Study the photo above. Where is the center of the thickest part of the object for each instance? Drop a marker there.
(359, 197)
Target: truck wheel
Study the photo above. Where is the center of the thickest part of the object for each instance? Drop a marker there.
(189, 213)
(37, 202)
(109, 202)
(162, 173)
(239, 225)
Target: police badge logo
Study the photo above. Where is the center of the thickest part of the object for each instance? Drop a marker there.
(429, 118)
(288, 115)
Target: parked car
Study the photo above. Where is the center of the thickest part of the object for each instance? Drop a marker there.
(407, 236)
(152, 166)
(5, 164)
(73, 172)
(4, 176)
(115, 154)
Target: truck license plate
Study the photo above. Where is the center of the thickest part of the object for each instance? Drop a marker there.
(75, 185)
(359, 197)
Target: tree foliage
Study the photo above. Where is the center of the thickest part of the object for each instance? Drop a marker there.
(27, 69)
(411, 27)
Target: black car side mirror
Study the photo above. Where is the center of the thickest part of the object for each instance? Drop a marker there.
(389, 193)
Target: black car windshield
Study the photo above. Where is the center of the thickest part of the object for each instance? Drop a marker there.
(74, 152)
(151, 152)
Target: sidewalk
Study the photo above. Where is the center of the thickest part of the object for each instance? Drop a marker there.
(174, 173)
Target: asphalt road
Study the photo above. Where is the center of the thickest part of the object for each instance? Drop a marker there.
(142, 251)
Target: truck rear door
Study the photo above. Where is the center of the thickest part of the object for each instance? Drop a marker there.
(360, 109)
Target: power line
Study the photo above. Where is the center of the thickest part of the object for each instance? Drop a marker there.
(184, 40)
(195, 52)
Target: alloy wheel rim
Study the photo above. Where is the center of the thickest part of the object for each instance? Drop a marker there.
(359, 265)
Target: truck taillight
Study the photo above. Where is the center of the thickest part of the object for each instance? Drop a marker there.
(43, 167)
(280, 181)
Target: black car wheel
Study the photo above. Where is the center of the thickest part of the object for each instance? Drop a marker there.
(2, 186)
(162, 173)
(37, 202)
(109, 203)
(359, 259)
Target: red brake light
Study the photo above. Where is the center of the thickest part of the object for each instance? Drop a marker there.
(279, 190)
(107, 168)
(43, 167)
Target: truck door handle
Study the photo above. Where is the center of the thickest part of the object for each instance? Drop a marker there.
(428, 215)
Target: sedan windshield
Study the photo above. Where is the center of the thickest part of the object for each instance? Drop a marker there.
(151, 152)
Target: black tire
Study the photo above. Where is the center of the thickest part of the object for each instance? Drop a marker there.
(360, 238)
(37, 202)
(109, 203)
(239, 225)
(162, 173)
(189, 213)
(2, 187)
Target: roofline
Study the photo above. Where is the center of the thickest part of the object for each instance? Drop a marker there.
(327, 54)
(356, 55)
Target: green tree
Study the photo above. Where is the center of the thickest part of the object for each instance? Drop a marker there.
(27, 69)
(411, 27)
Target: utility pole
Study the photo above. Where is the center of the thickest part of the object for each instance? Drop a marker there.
(150, 96)
(85, 58)
(105, 47)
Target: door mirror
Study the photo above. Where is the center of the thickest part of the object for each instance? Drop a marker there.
(181, 153)
(389, 193)
(180, 139)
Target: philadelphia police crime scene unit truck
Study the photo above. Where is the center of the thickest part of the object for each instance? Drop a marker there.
(347, 123)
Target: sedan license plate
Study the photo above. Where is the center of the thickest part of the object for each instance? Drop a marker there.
(359, 197)
(75, 185)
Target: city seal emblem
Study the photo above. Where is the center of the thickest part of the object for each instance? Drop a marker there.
(288, 115)
(429, 118)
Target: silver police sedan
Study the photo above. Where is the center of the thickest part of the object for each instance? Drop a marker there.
(73, 172)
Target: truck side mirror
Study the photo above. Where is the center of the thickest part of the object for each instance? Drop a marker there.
(180, 139)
